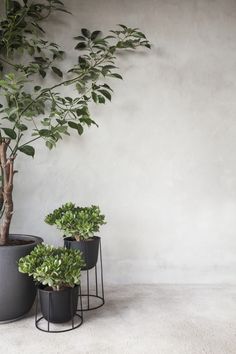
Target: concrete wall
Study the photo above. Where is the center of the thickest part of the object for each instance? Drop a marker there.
(162, 165)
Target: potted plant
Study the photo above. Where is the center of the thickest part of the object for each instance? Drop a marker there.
(57, 272)
(79, 224)
(32, 109)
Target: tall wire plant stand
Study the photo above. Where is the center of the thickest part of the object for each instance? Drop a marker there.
(93, 286)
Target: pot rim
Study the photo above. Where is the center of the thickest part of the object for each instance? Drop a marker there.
(36, 240)
(41, 289)
(93, 238)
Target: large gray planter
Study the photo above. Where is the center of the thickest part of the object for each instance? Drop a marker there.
(17, 290)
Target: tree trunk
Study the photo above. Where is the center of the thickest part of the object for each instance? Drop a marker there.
(7, 167)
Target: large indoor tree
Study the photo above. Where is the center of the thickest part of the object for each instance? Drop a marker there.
(31, 108)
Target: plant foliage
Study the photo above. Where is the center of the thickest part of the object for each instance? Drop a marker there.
(25, 56)
(55, 267)
(80, 223)
(43, 112)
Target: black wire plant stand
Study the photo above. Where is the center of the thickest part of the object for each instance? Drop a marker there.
(93, 291)
(46, 325)
(96, 291)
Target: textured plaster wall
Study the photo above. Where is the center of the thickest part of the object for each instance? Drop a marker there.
(162, 165)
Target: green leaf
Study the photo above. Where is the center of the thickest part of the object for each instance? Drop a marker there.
(107, 86)
(88, 121)
(72, 125)
(11, 111)
(27, 149)
(63, 10)
(38, 27)
(94, 97)
(57, 71)
(123, 26)
(80, 129)
(61, 121)
(117, 76)
(81, 45)
(10, 132)
(21, 127)
(61, 129)
(106, 94)
(76, 126)
(37, 88)
(44, 132)
(31, 50)
(82, 62)
(40, 60)
(58, 2)
(49, 145)
(101, 99)
(109, 67)
(85, 32)
(42, 73)
(95, 34)
(80, 88)
(141, 35)
(80, 38)
(79, 112)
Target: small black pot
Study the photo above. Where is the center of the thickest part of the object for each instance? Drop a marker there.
(58, 306)
(89, 248)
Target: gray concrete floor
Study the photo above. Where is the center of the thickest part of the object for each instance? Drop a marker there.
(140, 319)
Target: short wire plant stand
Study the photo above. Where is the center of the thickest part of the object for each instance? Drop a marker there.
(46, 325)
(92, 286)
